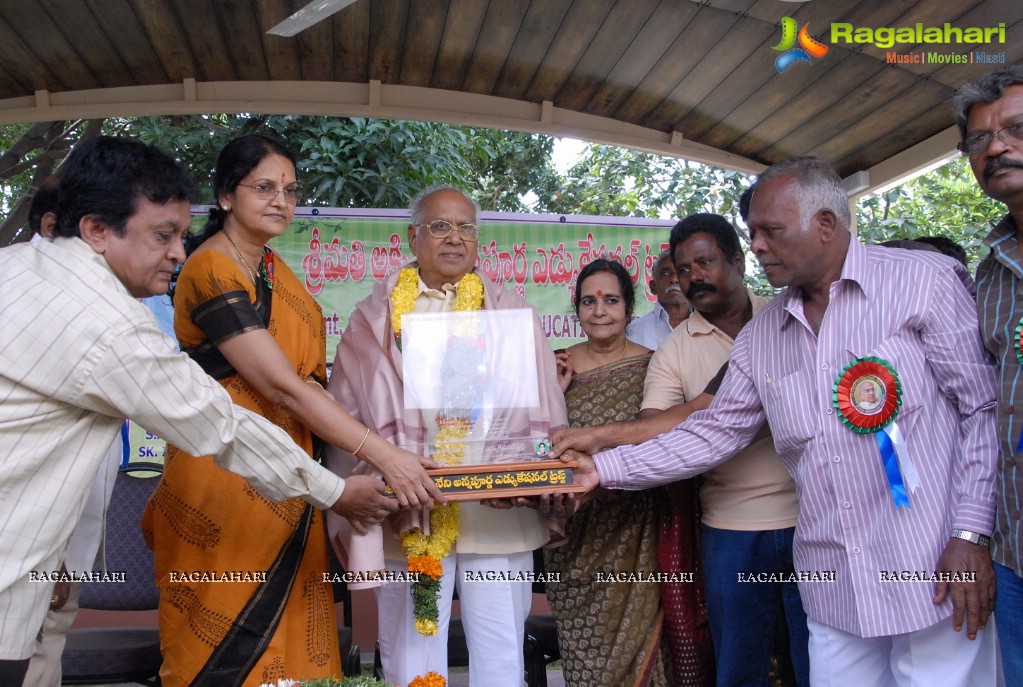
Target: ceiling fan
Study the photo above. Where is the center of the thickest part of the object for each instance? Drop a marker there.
(313, 13)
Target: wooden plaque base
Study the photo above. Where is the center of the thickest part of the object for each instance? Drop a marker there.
(503, 480)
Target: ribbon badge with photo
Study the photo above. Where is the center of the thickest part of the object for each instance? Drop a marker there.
(1018, 340)
(867, 395)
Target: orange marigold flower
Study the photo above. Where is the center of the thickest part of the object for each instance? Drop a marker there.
(431, 679)
(426, 565)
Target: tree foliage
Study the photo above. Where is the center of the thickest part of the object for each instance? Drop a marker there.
(361, 162)
(608, 180)
(946, 201)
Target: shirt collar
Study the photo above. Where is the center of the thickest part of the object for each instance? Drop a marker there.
(696, 324)
(856, 269)
(1003, 244)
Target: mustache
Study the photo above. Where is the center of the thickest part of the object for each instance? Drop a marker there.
(1001, 163)
(702, 287)
(673, 287)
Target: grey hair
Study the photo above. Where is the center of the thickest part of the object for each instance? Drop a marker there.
(818, 187)
(415, 207)
(986, 89)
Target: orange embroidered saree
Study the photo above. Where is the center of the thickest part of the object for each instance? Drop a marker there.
(222, 551)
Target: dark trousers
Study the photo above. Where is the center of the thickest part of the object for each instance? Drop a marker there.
(12, 673)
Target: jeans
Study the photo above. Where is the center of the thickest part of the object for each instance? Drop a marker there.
(1009, 621)
(744, 616)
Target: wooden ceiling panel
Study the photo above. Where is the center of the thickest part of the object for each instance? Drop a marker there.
(18, 60)
(922, 123)
(626, 19)
(852, 69)
(422, 42)
(650, 46)
(351, 28)
(281, 54)
(856, 104)
(242, 30)
(211, 54)
(160, 22)
(753, 81)
(912, 112)
(461, 35)
(91, 47)
(122, 31)
(387, 20)
(542, 23)
(714, 71)
(501, 25)
(38, 34)
(315, 57)
(700, 37)
(581, 25)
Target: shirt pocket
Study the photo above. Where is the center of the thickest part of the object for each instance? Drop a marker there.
(904, 354)
(791, 415)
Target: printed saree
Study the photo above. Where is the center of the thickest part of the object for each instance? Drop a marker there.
(609, 632)
(242, 595)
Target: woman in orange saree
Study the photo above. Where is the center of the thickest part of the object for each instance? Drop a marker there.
(243, 600)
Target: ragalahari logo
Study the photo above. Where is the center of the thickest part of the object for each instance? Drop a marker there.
(809, 47)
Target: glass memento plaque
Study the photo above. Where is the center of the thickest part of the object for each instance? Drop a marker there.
(472, 378)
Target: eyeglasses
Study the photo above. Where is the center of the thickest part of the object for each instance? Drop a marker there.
(1008, 135)
(268, 192)
(441, 229)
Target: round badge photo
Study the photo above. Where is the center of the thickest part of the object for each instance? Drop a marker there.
(868, 394)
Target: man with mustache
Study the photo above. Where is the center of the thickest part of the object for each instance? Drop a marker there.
(989, 113)
(867, 509)
(749, 506)
(669, 311)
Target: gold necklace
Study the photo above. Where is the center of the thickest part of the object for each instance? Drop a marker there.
(586, 353)
(237, 252)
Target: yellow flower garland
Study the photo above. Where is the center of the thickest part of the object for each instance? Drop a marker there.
(425, 552)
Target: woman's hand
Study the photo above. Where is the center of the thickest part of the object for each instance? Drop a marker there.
(363, 502)
(405, 473)
(564, 371)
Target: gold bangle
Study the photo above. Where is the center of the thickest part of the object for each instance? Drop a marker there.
(361, 443)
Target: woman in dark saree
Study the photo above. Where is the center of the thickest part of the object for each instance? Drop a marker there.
(611, 633)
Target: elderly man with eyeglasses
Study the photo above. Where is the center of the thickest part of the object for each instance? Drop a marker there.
(989, 113)
(490, 561)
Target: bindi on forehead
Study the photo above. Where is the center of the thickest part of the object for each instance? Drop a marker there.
(600, 294)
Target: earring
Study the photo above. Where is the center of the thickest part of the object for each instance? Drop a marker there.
(226, 208)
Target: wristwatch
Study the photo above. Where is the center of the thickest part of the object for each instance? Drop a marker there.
(972, 537)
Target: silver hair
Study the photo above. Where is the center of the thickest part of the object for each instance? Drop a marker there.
(415, 207)
(986, 89)
(818, 187)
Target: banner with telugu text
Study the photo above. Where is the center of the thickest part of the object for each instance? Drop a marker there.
(340, 254)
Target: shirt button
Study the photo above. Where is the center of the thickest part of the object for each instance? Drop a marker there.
(837, 459)
(1010, 460)
(1010, 410)
(846, 505)
(1015, 515)
(829, 411)
(856, 550)
(824, 366)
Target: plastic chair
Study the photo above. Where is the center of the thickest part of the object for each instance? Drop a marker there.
(121, 654)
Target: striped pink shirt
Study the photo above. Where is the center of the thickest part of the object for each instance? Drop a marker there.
(911, 309)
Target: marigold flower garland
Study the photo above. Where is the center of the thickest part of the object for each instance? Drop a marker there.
(425, 552)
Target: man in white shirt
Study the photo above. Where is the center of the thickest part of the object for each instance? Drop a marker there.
(669, 311)
(79, 353)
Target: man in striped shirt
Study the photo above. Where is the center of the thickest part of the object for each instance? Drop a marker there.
(892, 541)
(79, 353)
(989, 113)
